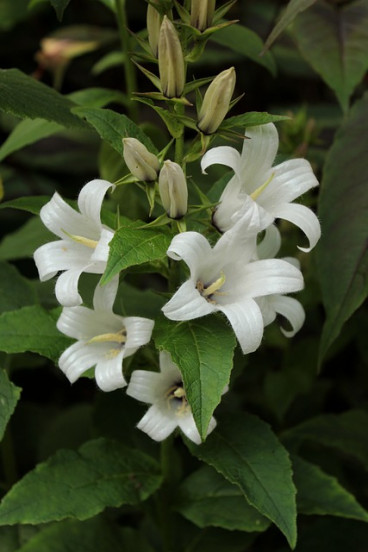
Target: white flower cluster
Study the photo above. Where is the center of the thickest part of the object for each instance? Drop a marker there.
(238, 276)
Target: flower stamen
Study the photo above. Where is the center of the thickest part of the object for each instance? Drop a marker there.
(259, 190)
(82, 240)
(176, 394)
(212, 289)
(118, 337)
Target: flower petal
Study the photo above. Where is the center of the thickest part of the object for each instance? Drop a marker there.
(157, 424)
(83, 323)
(90, 199)
(222, 155)
(146, 386)
(78, 358)
(188, 427)
(291, 179)
(259, 151)
(268, 277)
(191, 247)
(292, 310)
(59, 217)
(271, 243)
(60, 255)
(304, 218)
(139, 331)
(101, 252)
(104, 296)
(109, 372)
(66, 288)
(187, 304)
(246, 320)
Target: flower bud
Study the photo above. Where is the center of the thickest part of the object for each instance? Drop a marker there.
(173, 190)
(141, 163)
(154, 20)
(170, 61)
(201, 13)
(216, 101)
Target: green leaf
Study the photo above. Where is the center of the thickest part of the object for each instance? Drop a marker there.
(80, 484)
(31, 204)
(206, 498)
(252, 118)
(15, 291)
(113, 127)
(112, 59)
(97, 97)
(346, 432)
(31, 329)
(246, 42)
(133, 246)
(245, 451)
(213, 539)
(9, 396)
(95, 535)
(293, 8)
(28, 132)
(321, 494)
(203, 349)
(344, 278)
(23, 242)
(25, 97)
(59, 6)
(341, 33)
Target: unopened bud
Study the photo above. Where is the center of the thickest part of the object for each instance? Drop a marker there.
(154, 20)
(216, 101)
(141, 163)
(173, 190)
(170, 61)
(201, 13)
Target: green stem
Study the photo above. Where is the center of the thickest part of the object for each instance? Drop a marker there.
(129, 70)
(179, 142)
(166, 521)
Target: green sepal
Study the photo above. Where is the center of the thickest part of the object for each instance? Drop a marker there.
(151, 76)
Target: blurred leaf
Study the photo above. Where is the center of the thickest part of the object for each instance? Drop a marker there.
(80, 484)
(343, 209)
(9, 396)
(95, 535)
(203, 350)
(139, 302)
(31, 329)
(31, 204)
(132, 246)
(59, 6)
(245, 451)
(321, 494)
(111, 164)
(292, 9)
(246, 42)
(212, 539)
(252, 118)
(23, 242)
(28, 132)
(206, 498)
(97, 97)
(15, 291)
(112, 59)
(341, 33)
(26, 97)
(346, 432)
(113, 127)
(11, 12)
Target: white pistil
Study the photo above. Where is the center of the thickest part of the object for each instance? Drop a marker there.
(260, 189)
(82, 240)
(212, 289)
(118, 337)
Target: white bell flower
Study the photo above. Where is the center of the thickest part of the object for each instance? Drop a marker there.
(272, 305)
(104, 338)
(170, 409)
(226, 278)
(83, 246)
(271, 189)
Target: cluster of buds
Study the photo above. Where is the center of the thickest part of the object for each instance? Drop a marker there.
(145, 166)
(201, 13)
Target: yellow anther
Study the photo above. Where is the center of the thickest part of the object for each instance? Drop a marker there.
(82, 240)
(179, 393)
(259, 190)
(118, 337)
(215, 286)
